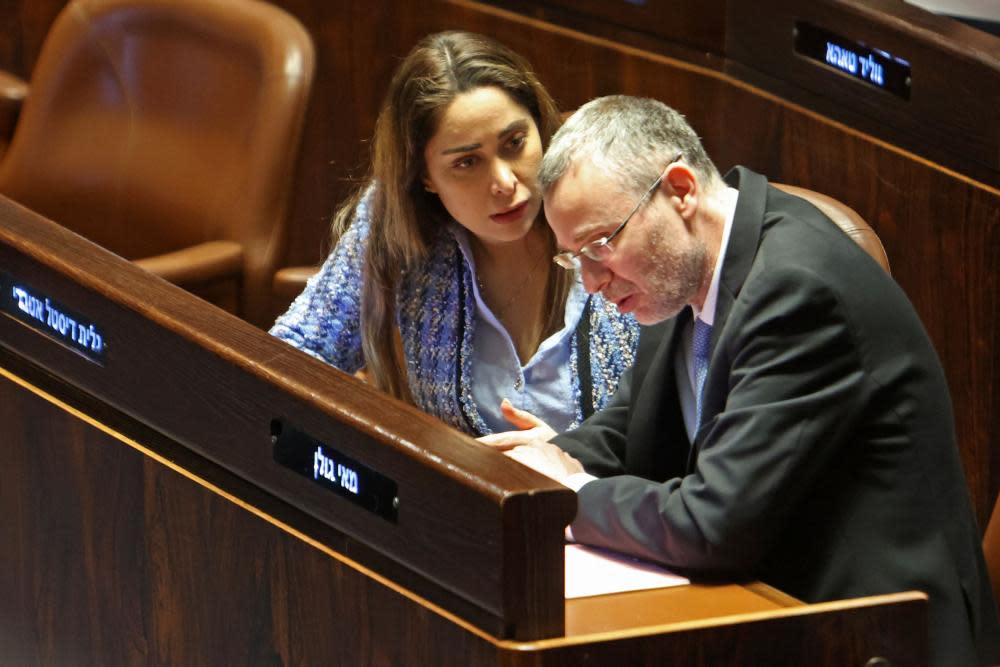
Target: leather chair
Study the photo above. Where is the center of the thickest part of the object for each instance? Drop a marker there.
(991, 549)
(290, 281)
(167, 131)
(846, 218)
(12, 93)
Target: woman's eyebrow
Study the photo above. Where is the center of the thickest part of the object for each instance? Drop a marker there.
(461, 149)
(518, 125)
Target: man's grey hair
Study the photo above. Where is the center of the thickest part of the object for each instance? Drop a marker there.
(629, 138)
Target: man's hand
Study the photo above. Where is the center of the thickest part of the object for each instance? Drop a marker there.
(532, 429)
(546, 458)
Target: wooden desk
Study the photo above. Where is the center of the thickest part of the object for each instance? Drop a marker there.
(667, 606)
(143, 519)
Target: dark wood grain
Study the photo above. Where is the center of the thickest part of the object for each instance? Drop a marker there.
(109, 556)
(690, 30)
(950, 116)
(121, 560)
(218, 383)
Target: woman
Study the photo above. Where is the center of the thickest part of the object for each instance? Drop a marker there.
(441, 286)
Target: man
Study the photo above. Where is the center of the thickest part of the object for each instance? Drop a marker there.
(789, 420)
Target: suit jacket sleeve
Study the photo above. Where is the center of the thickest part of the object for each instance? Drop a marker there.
(600, 442)
(785, 386)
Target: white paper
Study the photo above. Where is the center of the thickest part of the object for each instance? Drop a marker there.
(591, 571)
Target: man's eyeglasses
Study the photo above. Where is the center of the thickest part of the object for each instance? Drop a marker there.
(600, 249)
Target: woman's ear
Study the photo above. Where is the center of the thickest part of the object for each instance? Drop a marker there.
(428, 185)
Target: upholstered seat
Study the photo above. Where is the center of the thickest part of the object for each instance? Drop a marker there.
(846, 218)
(991, 549)
(168, 131)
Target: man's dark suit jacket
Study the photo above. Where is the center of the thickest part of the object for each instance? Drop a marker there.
(825, 463)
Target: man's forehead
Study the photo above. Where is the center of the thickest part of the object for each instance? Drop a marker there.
(577, 192)
(578, 203)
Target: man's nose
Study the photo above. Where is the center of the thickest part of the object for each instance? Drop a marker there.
(594, 274)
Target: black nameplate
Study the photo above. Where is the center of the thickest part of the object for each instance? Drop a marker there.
(334, 471)
(872, 66)
(41, 313)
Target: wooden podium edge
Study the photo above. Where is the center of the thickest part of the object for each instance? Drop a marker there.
(242, 504)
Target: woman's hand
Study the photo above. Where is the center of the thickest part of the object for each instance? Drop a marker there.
(548, 459)
(532, 429)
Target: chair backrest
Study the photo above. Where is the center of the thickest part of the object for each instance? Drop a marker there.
(154, 125)
(846, 218)
(991, 548)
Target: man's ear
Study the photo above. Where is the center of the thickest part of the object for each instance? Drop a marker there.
(681, 185)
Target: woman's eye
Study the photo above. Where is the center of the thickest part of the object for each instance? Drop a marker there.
(464, 163)
(517, 141)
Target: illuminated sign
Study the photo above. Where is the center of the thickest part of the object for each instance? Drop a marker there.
(51, 318)
(872, 66)
(334, 471)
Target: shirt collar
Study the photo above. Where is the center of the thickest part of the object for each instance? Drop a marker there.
(575, 300)
(707, 312)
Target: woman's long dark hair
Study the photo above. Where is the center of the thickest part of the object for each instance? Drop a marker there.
(403, 215)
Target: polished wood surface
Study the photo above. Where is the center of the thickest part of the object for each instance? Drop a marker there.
(113, 557)
(950, 115)
(687, 29)
(115, 554)
(476, 532)
(679, 604)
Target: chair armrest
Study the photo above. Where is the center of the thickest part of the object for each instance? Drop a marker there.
(290, 281)
(201, 263)
(13, 90)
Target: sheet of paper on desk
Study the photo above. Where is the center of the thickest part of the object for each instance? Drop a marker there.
(591, 571)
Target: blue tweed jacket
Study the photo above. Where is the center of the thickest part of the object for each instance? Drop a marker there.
(436, 314)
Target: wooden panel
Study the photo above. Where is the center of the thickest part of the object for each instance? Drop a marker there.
(204, 378)
(694, 29)
(111, 555)
(119, 560)
(767, 639)
(679, 604)
(951, 115)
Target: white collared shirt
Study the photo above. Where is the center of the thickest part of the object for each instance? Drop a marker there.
(542, 386)
(684, 363)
